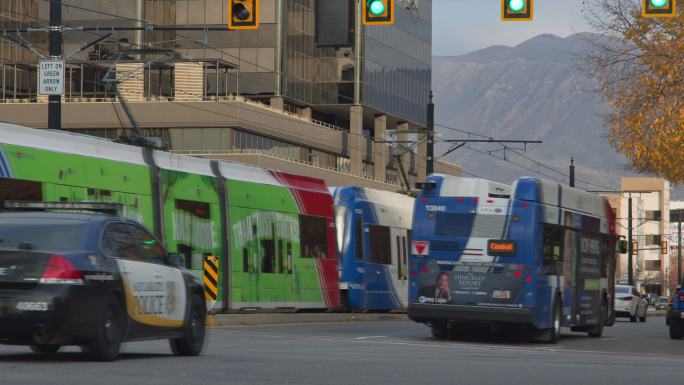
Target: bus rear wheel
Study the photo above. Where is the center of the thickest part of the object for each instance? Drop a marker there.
(439, 330)
(597, 330)
(553, 334)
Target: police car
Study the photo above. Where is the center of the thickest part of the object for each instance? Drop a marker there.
(95, 281)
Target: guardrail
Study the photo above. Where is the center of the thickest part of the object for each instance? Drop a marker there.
(210, 98)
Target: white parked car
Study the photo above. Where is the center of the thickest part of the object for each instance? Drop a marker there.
(628, 303)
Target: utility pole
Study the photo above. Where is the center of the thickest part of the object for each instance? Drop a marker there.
(430, 137)
(55, 101)
(630, 248)
(572, 172)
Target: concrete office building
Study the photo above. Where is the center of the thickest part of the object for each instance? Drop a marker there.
(650, 224)
(271, 97)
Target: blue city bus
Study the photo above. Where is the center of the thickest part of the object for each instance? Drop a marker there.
(373, 232)
(536, 254)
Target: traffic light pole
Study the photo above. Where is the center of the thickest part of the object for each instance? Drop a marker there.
(55, 42)
(430, 166)
(630, 247)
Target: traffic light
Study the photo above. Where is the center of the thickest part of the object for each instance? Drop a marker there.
(635, 248)
(659, 8)
(243, 14)
(378, 12)
(517, 10)
(663, 247)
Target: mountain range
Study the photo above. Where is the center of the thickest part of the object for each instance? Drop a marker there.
(533, 91)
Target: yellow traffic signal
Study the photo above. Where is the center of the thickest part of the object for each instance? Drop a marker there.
(378, 12)
(517, 10)
(659, 8)
(243, 14)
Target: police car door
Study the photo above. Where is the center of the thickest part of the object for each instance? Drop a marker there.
(156, 293)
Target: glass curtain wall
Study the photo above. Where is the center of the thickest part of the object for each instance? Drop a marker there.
(397, 64)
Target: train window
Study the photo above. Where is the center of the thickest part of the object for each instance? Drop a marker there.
(268, 259)
(20, 190)
(404, 257)
(358, 236)
(197, 209)
(340, 220)
(186, 252)
(289, 258)
(381, 251)
(400, 272)
(245, 260)
(314, 236)
(282, 268)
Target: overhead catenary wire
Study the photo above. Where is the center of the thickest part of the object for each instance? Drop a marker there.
(505, 148)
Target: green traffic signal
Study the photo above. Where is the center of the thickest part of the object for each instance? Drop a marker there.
(519, 5)
(658, 3)
(376, 7)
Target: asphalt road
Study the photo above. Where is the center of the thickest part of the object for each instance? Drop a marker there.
(391, 352)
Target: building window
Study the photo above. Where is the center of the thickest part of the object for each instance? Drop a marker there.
(652, 265)
(652, 239)
(653, 215)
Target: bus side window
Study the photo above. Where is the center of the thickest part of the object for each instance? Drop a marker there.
(553, 241)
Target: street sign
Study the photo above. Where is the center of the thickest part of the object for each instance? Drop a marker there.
(51, 77)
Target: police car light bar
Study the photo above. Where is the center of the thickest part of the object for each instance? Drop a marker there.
(100, 207)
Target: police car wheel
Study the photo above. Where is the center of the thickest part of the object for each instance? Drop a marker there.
(192, 341)
(45, 349)
(106, 343)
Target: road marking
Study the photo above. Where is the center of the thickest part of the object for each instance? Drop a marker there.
(451, 344)
(610, 338)
(365, 338)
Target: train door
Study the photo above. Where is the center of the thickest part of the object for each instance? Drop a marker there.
(270, 277)
(285, 267)
(397, 270)
(248, 250)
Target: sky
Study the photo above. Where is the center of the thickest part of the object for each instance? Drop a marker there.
(462, 26)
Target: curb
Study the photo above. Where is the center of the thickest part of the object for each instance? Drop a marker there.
(218, 320)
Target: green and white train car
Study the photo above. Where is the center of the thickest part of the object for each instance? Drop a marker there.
(271, 231)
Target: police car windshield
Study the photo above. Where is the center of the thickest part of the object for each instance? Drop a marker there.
(55, 234)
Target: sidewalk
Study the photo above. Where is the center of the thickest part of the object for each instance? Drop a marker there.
(299, 318)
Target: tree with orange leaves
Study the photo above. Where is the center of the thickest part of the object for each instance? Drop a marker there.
(639, 65)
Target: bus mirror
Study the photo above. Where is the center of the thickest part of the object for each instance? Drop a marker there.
(622, 246)
(426, 186)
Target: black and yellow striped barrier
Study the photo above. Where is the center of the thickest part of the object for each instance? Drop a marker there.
(211, 265)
